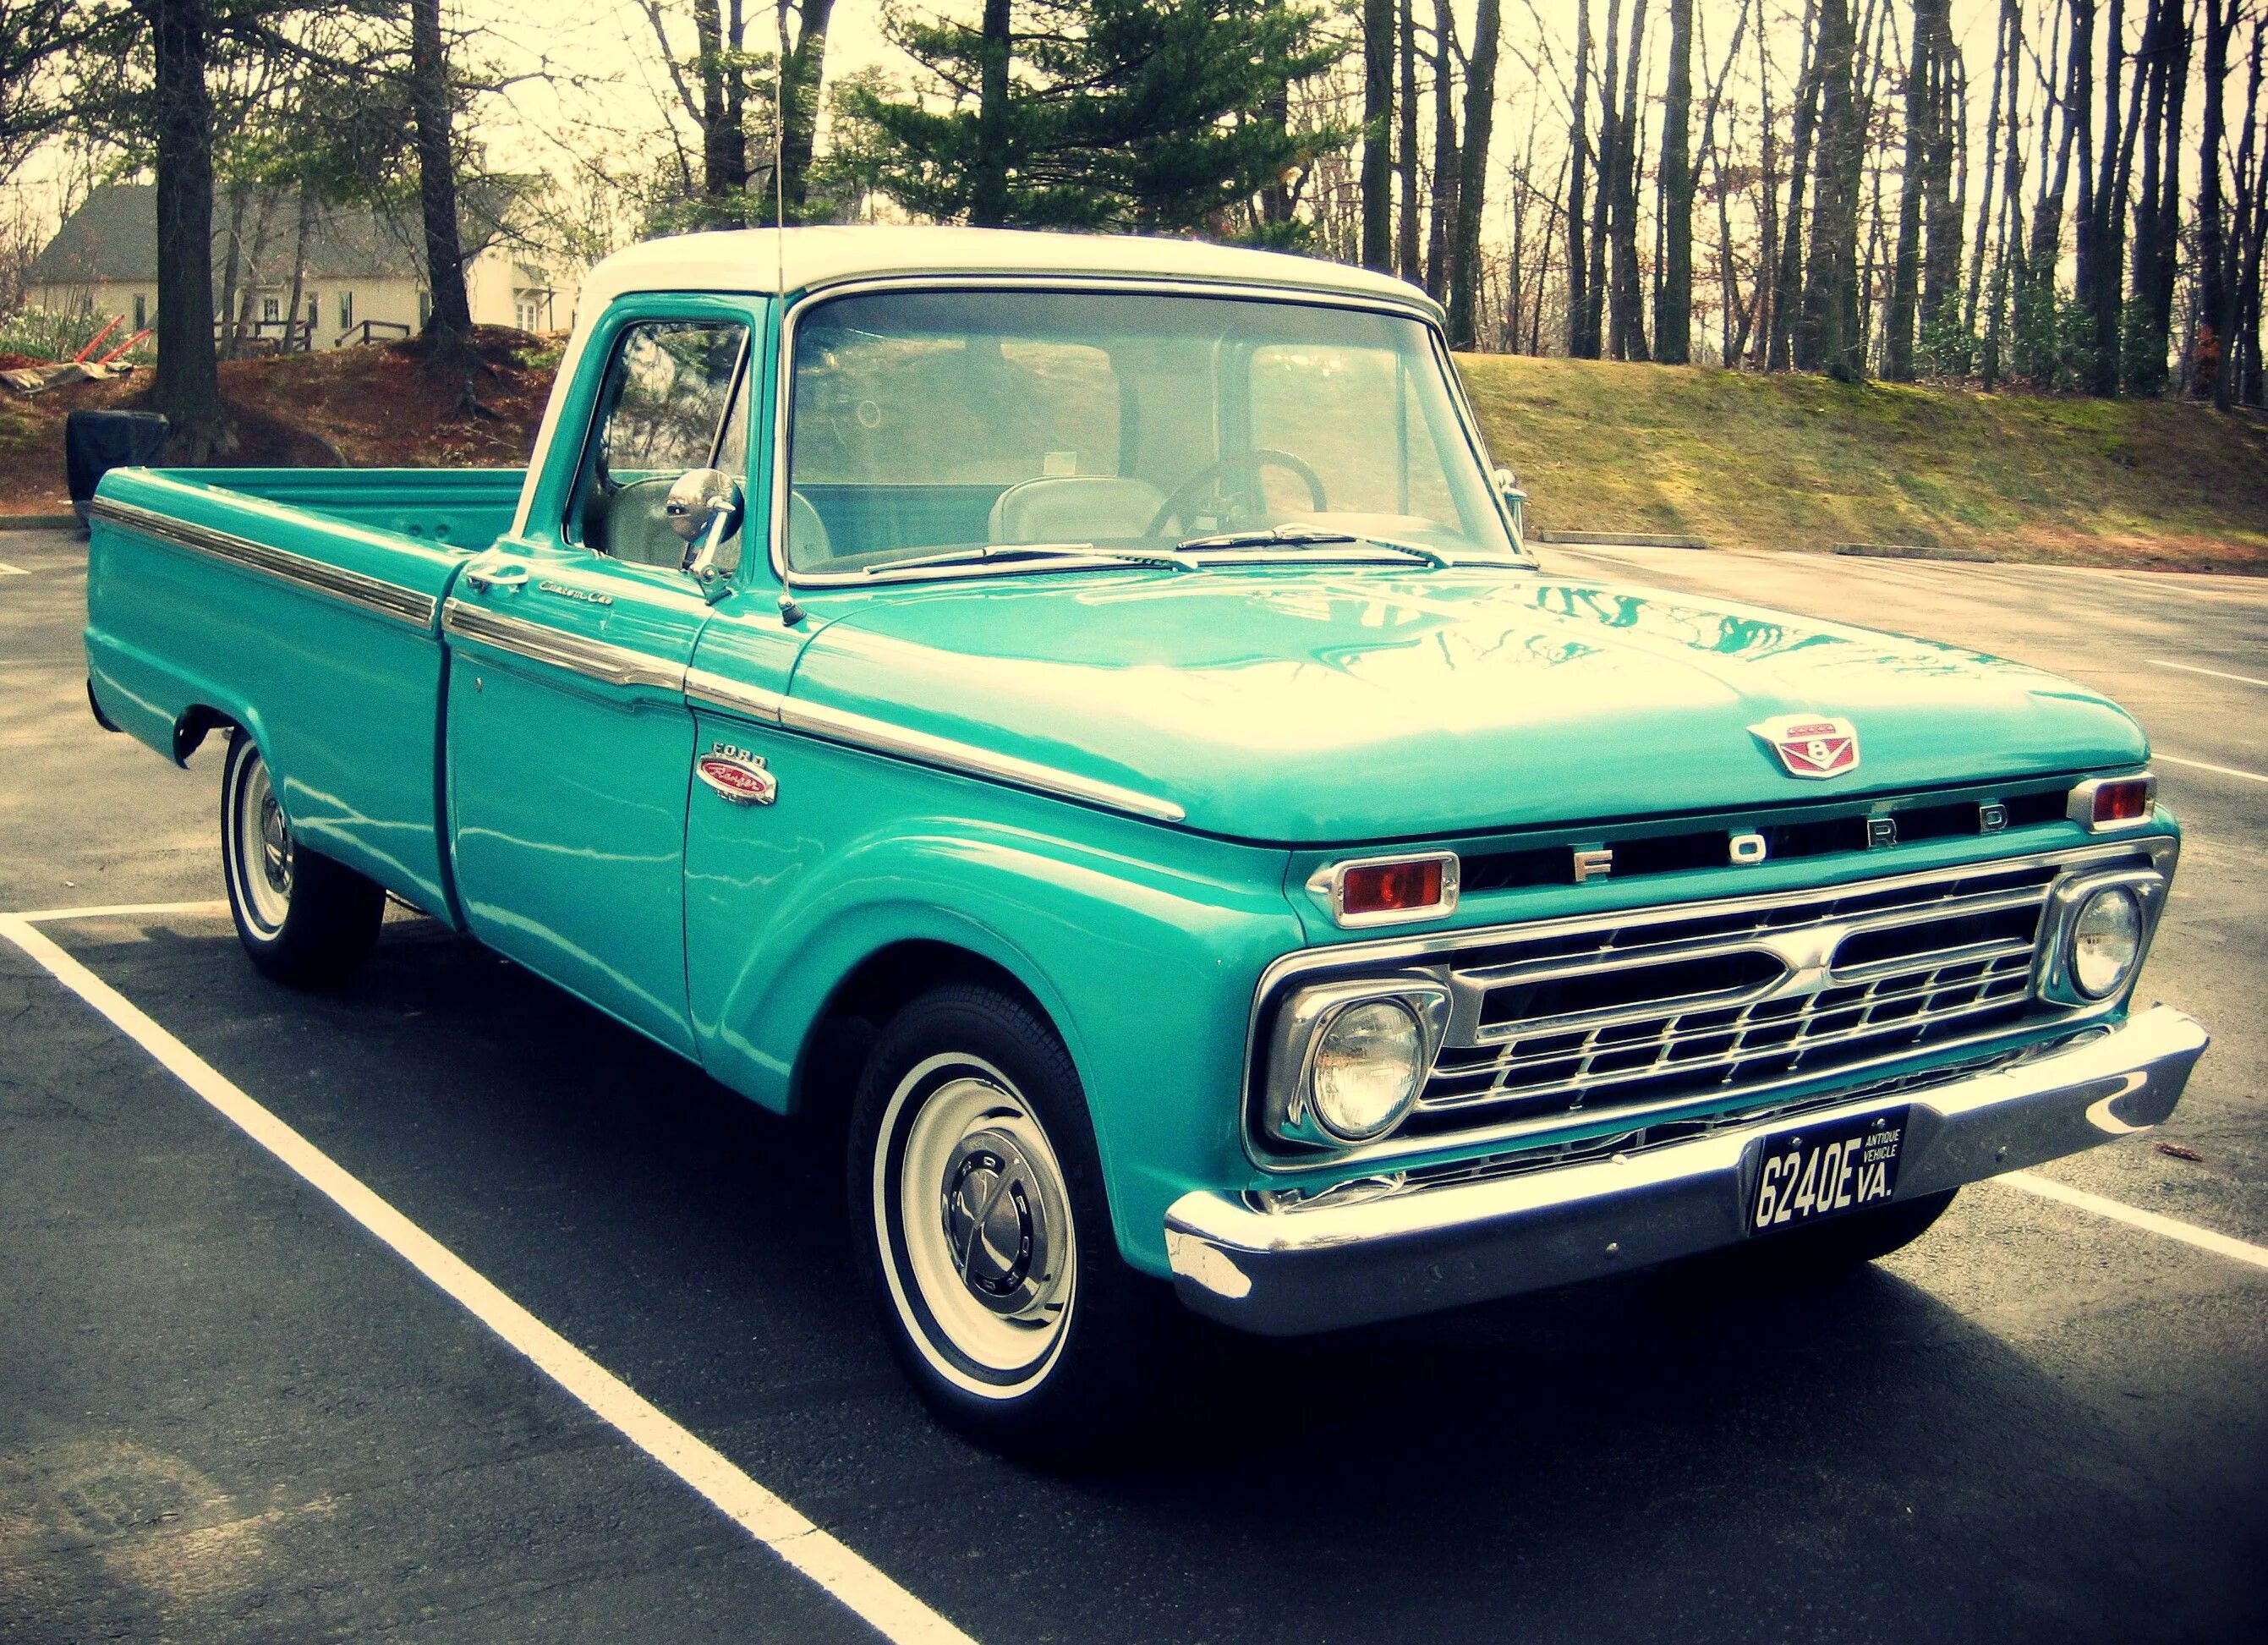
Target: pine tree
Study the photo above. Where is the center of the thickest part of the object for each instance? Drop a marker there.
(1103, 114)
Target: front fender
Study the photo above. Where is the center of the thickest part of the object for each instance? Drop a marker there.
(1141, 943)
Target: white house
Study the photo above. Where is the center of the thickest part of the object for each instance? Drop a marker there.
(363, 277)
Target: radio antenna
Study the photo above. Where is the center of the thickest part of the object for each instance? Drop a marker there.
(779, 161)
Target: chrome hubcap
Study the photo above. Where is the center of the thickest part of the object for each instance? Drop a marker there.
(996, 1220)
(263, 849)
(975, 1216)
(274, 845)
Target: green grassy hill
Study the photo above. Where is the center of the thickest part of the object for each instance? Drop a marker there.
(1799, 462)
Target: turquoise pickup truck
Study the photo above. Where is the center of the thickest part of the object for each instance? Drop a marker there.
(1080, 711)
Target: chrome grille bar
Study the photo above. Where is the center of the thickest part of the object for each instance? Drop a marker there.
(1849, 981)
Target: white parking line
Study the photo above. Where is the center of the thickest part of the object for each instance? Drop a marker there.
(2190, 668)
(887, 1608)
(2199, 765)
(135, 910)
(2134, 1216)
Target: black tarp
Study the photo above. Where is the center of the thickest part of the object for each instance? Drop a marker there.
(96, 442)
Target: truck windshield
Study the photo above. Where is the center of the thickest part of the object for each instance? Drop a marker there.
(928, 423)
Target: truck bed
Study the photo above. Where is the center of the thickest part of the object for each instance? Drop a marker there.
(302, 603)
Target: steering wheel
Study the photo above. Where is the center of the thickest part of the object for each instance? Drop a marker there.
(1187, 493)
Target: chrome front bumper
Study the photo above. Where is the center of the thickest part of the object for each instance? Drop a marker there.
(1283, 1273)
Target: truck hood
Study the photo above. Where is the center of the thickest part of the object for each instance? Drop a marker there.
(1332, 707)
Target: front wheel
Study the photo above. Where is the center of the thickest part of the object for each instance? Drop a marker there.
(303, 918)
(979, 1212)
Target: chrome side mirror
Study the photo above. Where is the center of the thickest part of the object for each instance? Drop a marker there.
(1515, 504)
(703, 508)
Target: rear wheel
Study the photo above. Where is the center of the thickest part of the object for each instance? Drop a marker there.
(978, 1207)
(303, 918)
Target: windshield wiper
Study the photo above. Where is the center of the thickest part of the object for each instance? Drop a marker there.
(990, 551)
(1297, 536)
(1273, 537)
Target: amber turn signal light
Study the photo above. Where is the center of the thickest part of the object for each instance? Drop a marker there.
(1388, 890)
(1392, 887)
(2105, 803)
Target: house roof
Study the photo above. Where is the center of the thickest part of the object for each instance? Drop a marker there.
(113, 236)
(799, 258)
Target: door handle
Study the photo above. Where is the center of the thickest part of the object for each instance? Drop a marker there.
(506, 579)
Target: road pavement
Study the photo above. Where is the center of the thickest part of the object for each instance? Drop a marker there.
(229, 1410)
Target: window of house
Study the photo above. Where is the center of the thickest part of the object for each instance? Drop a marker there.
(271, 308)
(424, 309)
(141, 310)
(346, 310)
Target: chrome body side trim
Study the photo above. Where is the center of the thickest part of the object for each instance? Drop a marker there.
(615, 665)
(1433, 954)
(1397, 1248)
(371, 593)
(835, 724)
(731, 696)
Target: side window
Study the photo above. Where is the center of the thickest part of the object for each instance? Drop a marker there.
(672, 399)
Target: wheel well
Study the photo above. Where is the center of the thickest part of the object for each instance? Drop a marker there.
(197, 722)
(885, 981)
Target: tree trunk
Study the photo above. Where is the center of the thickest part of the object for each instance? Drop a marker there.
(1472, 172)
(1377, 124)
(1406, 253)
(2212, 237)
(240, 196)
(242, 327)
(987, 197)
(1603, 185)
(2227, 385)
(450, 326)
(1827, 336)
(188, 388)
(1673, 315)
(1728, 273)
(1905, 266)
(1944, 214)
(1766, 282)
(806, 68)
(304, 228)
(2245, 331)
(1788, 279)
(1988, 203)
(1581, 344)
(2157, 212)
(1440, 234)
(2006, 264)
(1627, 341)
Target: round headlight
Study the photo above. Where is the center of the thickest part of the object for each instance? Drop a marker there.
(1367, 1063)
(2104, 940)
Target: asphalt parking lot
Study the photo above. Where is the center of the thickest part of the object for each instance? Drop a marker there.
(229, 1410)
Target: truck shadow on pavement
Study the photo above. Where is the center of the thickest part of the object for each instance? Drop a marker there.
(1664, 1454)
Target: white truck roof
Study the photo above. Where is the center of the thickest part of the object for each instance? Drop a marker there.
(800, 259)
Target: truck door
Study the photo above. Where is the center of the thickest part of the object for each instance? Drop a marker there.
(569, 745)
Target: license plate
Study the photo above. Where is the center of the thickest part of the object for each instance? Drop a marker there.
(1827, 1171)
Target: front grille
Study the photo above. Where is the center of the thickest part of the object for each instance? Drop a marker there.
(1661, 1008)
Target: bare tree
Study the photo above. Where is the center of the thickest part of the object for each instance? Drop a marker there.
(1827, 336)
(1377, 124)
(1472, 182)
(1673, 309)
(1582, 338)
